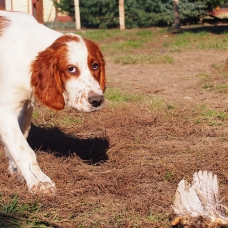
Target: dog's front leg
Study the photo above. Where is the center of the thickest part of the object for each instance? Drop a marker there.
(25, 116)
(23, 156)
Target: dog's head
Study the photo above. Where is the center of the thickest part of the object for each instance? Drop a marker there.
(70, 72)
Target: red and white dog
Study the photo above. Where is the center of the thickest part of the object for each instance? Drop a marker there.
(39, 63)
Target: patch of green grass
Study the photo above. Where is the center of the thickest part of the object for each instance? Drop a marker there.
(203, 75)
(168, 176)
(181, 41)
(219, 88)
(14, 214)
(209, 115)
(112, 34)
(144, 33)
(122, 46)
(155, 103)
(215, 81)
(220, 70)
(102, 34)
(222, 88)
(70, 121)
(208, 86)
(157, 217)
(132, 43)
(224, 74)
(14, 206)
(143, 58)
(206, 78)
(116, 42)
(117, 96)
(171, 106)
(217, 66)
(126, 45)
(186, 78)
(200, 41)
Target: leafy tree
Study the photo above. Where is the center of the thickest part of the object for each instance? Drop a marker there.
(99, 13)
(66, 6)
(211, 4)
(138, 13)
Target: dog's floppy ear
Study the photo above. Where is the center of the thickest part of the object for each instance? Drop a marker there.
(102, 80)
(46, 81)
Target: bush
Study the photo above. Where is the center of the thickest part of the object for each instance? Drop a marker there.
(138, 13)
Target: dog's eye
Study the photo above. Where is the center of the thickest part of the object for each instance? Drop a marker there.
(95, 66)
(72, 70)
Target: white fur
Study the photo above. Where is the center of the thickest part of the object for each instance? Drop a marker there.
(78, 88)
(20, 43)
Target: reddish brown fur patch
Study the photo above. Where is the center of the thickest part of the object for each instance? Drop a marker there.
(48, 78)
(95, 55)
(4, 22)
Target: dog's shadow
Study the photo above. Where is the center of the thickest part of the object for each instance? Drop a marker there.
(53, 140)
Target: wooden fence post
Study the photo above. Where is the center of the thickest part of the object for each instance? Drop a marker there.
(77, 14)
(121, 14)
(40, 11)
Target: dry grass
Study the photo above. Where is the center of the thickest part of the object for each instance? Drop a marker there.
(118, 173)
(119, 167)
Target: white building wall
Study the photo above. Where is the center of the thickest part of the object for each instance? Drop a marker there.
(26, 6)
(8, 5)
(20, 5)
(49, 10)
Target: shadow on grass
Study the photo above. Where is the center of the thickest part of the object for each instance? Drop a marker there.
(6, 222)
(53, 140)
(216, 29)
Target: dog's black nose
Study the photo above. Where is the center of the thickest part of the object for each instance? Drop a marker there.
(96, 100)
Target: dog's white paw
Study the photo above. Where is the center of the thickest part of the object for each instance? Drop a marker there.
(42, 185)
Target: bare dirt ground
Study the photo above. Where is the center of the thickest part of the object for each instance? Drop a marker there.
(120, 167)
(178, 81)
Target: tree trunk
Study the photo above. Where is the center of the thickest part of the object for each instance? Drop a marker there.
(121, 14)
(77, 14)
(176, 14)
